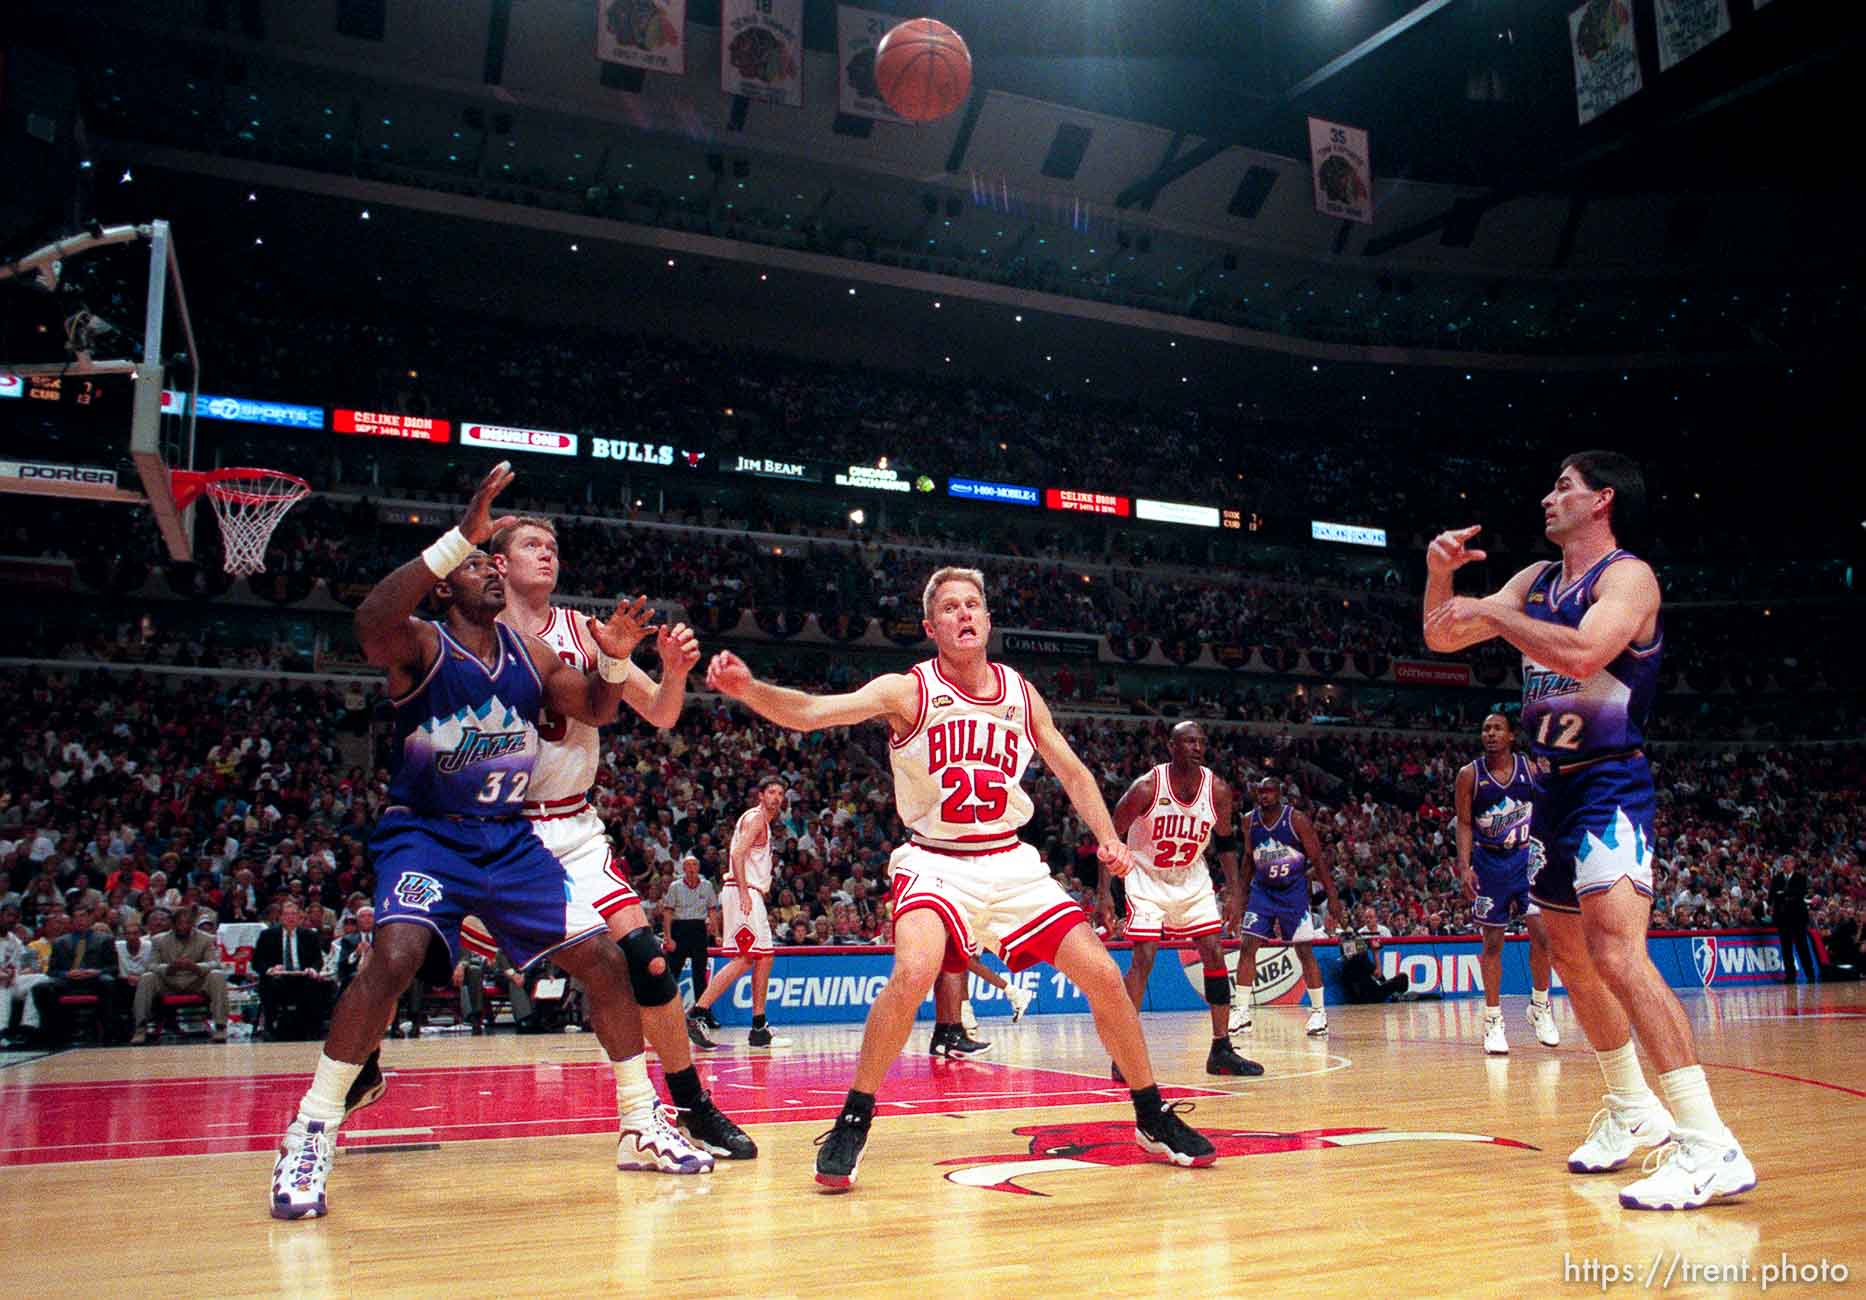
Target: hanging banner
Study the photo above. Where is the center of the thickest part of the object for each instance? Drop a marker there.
(858, 32)
(1687, 26)
(1344, 173)
(647, 34)
(1606, 56)
(761, 50)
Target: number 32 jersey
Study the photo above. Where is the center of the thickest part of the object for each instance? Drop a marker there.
(469, 732)
(958, 775)
(1568, 720)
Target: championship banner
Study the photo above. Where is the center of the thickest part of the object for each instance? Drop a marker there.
(858, 32)
(1687, 26)
(1606, 56)
(1426, 673)
(761, 50)
(1344, 172)
(646, 34)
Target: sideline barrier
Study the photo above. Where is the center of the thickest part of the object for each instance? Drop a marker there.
(838, 985)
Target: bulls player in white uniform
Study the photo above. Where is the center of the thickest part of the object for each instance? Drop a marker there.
(558, 807)
(1168, 817)
(744, 923)
(961, 732)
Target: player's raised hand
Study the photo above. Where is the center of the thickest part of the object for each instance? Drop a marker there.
(624, 629)
(677, 648)
(1115, 856)
(1448, 552)
(478, 525)
(728, 675)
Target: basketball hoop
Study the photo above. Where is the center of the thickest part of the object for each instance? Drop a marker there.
(248, 503)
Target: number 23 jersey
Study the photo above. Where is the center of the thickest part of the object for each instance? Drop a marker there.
(958, 775)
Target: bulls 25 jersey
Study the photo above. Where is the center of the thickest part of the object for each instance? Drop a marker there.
(958, 775)
(568, 751)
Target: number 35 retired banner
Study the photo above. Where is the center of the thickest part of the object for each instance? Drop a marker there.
(761, 50)
(1344, 174)
(647, 34)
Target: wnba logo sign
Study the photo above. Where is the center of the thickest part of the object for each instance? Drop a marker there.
(1736, 960)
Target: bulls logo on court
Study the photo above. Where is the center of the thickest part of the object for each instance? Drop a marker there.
(1704, 957)
(417, 890)
(1109, 1144)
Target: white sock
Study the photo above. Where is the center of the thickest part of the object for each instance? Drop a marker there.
(1687, 1092)
(323, 1102)
(1492, 1013)
(1626, 1082)
(635, 1099)
(1315, 999)
(1539, 997)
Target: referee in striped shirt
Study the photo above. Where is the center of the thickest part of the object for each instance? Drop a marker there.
(690, 911)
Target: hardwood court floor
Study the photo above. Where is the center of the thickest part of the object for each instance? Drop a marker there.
(1391, 1157)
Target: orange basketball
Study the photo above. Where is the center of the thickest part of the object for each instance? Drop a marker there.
(923, 69)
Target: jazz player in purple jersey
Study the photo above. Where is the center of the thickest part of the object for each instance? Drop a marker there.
(468, 692)
(1590, 632)
(1281, 849)
(1495, 798)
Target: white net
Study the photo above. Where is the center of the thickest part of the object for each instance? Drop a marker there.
(249, 504)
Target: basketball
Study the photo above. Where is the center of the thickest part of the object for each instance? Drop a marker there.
(923, 69)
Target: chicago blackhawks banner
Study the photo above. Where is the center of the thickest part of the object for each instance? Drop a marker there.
(858, 32)
(761, 50)
(1344, 174)
(649, 34)
(1606, 56)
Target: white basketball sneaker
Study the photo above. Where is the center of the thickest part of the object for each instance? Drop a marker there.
(1020, 1000)
(1542, 1020)
(1693, 1170)
(657, 1146)
(1616, 1133)
(298, 1174)
(1240, 1018)
(1495, 1042)
(1318, 1024)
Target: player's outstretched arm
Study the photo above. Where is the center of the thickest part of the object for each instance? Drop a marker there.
(1626, 598)
(391, 636)
(1461, 797)
(1455, 622)
(1137, 800)
(596, 697)
(1079, 784)
(892, 697)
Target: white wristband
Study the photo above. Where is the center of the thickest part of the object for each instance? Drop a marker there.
(448, 553)
(613, 671)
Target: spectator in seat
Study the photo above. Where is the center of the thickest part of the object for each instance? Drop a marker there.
(19, 975)
(294, 996)
(135, 954)
(186, 959)
(82, 962)
(354, 947)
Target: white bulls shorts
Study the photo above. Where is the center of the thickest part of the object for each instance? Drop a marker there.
(1168, 906)
(1004, 900)
(598, 888)
(747, 926)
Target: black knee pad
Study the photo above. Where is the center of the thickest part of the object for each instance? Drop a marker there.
(1218, 990)
(640, 948)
